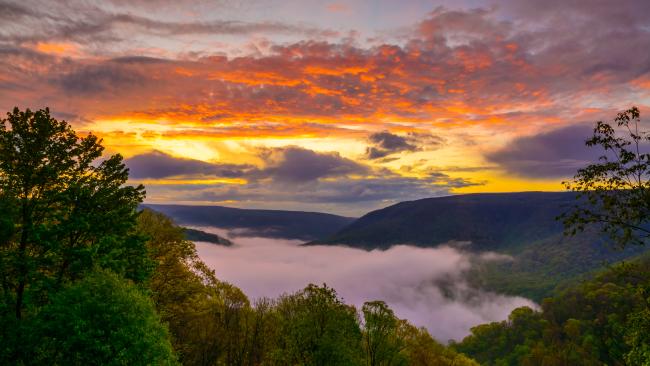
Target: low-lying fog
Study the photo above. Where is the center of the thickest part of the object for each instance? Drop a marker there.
(425, 286)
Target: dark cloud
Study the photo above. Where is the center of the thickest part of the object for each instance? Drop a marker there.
(344, 195)
(385, 143)
(293, 165)
(215, 27)
(299, 165)
(554, 154)
(155, 165)
(12, 11)
(88, 23)
(444, 180)
(293, 177)
(106, 77)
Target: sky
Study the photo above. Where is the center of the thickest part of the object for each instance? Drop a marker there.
(333, 106)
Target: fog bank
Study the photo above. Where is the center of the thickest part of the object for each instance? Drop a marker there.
(424, 285)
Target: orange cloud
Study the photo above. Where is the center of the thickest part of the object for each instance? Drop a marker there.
(61, 49)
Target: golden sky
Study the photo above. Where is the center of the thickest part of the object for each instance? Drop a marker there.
(330, 106)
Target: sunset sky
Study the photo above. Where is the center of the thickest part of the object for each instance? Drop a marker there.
(333, 106)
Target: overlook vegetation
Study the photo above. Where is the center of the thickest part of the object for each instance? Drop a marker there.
(88, 278)
(603, 321)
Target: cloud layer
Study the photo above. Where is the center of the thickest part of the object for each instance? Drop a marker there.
(157, 164)
(329, 106)
(287, 176)
(425, 286)
(467, 64)
(557, 153)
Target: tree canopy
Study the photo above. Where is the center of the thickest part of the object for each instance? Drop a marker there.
(101, 320)
(615, 191)
(67, 213)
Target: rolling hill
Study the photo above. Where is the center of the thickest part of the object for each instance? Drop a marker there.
(248, 222)
(198, 235)
(522, 225)
(490, 221)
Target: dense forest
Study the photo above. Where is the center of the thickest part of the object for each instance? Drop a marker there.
(90, 278)
(603, 321)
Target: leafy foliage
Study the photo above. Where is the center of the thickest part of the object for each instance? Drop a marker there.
(615, 192)
(381, 340)
(203, 314)
(68, 218)
(602, 321)
(317, 328)
(65, 214)
(101, 320)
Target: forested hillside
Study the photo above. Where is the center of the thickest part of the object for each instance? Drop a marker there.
(495, 221)
(602, 321)
(523, 225)
(198, 235)
(268, 223)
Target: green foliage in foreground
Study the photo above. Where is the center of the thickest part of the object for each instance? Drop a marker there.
(64, 212)
(94, 322)
(604, 321)
(72, 264)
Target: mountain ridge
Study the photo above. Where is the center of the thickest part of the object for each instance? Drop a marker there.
(497, 219)
(521, 224)
(280, 224)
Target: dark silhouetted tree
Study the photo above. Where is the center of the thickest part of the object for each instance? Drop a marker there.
(614, 193)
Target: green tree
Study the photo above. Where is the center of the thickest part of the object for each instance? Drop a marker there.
(67, 211)
(600, 321)
(420, 349)
(317, 328)
(615, 192)
(100, 320)
(637, 329)
(380, 339)
(212, 322)
(179, 288)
